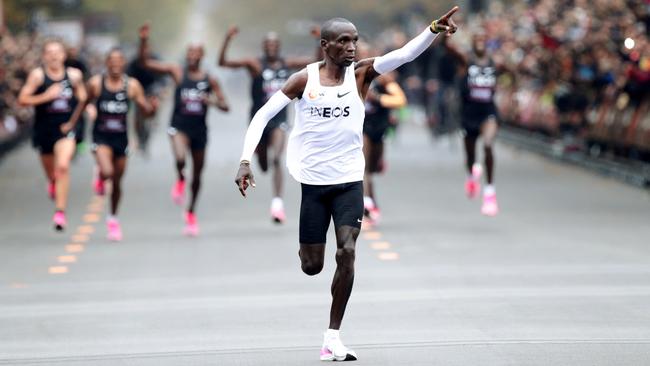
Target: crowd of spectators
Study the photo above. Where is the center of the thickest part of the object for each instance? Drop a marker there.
(18, 55)
(564, 59)
(568, 56)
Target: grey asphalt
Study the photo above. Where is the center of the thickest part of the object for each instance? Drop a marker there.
(560, 277)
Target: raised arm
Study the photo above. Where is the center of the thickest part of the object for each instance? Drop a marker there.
(293, 88)
(174, 70)
(371, 67)
(136, 93)
(221, 98)
(252, 65)
(300, 62)
(455, 52)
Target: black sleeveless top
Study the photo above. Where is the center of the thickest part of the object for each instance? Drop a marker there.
(478, 90)
(190, 108)
(48, 117)
(112, 109)
(377, 116)
(267, 83)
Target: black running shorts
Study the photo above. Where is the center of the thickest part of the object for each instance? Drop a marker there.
(375, 130)
(322, 203)
(475, 115)
(198, 137)
(44, 142)
(119, 143)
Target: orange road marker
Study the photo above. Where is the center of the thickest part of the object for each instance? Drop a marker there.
(91, 218)
(388, 256)
(80, 238)
(380, 245)
(372, 235)
(57, 270)
(74, 248)
(67, 258)
(85, 229)
(93, 206)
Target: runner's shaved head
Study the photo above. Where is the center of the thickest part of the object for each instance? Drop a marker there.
(332, 28)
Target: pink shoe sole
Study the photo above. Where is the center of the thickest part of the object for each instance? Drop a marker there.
(490, 210)
(472, 188)
(192, 231)
(327, 355)
(278, 217)
(99, 188)
(490, 206)
(59, 222)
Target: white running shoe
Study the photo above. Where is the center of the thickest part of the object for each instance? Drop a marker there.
(334, 350)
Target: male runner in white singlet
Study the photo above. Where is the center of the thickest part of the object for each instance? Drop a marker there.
(325, 152)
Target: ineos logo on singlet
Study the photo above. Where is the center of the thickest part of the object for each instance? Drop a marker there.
(481, 78)
(481, 82)
(61, 103)
(268, 74)
(191, 94)
(273, 80)
(328, 112)
(114, 106)
(193, 98)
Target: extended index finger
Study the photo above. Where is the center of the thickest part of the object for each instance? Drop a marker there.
(450, 13)
(240, 184)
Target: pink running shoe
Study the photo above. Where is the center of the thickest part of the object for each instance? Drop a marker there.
(178, 192)
(59, 221)
(374, 214)
(99, 187)
(114, 230)
(490, 206)
(472, 184)
(51, 190)
(278, 215)
(472, 187)
(191, 224)
(371, 211)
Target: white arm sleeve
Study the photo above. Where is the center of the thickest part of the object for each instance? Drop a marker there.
(407, 53)
(261, 118)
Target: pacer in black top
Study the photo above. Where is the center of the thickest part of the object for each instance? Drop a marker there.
(268, 73)
(58, 95)
(479, 117)
(384, 94)
(195, 92)
(112, 94)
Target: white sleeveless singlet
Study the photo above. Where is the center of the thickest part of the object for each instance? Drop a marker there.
(326, 142)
